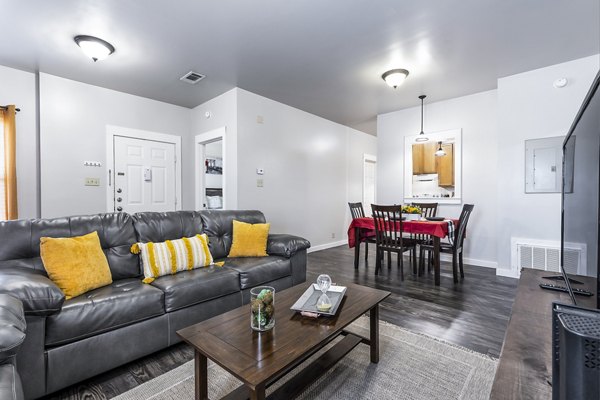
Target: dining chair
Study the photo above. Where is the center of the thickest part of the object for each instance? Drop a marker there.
(357, 211)
(427, 210)
(388, 236)
(455, 247)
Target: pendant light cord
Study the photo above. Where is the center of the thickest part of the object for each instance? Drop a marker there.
(422, 97)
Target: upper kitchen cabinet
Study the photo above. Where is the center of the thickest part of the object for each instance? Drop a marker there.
(444, 166)
(424, 158)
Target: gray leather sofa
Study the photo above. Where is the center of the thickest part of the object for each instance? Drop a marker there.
(69, 341)
(12, 334)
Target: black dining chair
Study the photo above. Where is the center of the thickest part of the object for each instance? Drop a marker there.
(388, 237)
(427, 210)
(455, 247)
(357, 211)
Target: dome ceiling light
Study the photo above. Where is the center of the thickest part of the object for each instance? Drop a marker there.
(93, 47)
(395, 77)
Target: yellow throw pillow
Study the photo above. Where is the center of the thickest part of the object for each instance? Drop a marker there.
(249, 240)
(76, 264)
(173, 256)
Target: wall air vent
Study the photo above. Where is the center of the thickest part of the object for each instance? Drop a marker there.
(545, 255)
(192, 77)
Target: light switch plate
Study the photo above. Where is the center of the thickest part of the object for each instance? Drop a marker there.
(92, 181)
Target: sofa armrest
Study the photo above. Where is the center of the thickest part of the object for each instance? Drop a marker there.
(40, 296)
(285, 245)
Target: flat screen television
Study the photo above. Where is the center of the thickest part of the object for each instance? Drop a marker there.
(581, 192)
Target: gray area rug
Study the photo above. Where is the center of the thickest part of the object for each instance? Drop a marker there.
(411, 366)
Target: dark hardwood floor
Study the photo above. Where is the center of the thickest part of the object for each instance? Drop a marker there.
(473, 313)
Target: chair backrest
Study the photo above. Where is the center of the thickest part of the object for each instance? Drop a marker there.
(459, 234)
(356, 209)
(388, 226)
(427, 209)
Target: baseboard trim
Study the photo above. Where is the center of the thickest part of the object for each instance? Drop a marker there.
(327, 246)
(509, 273)
(471, 261)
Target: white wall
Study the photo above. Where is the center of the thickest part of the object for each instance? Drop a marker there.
(18, 88)
(477, 116)
(73, 120)
(311, 167)
(223, 113)
(529, 107)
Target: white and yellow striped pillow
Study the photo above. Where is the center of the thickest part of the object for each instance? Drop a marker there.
(173, 256)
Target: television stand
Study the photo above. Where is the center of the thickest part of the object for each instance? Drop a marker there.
(525, 365)
(560, 278)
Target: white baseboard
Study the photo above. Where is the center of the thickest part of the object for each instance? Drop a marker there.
(510, 273)
(327, 246)
(471, 261)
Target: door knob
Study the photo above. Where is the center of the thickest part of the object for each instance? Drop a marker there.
(119, 199)
(119, 209)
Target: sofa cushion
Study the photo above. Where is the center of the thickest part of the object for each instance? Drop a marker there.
(249, 240)
(20, 244)
(119, 304)
(172, 256)
(163, 226)
(256, 271)
(191, 287)
(75, 264)
(218, 225)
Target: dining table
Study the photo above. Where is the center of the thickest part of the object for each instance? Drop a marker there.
(365, 227)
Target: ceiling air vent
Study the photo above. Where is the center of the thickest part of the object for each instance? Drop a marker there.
(192, 77)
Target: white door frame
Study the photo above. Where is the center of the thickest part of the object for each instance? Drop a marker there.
(371, 158)
(111, 132)
(204, 138)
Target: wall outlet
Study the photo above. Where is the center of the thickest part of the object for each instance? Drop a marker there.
(259, 183)
(92, 181)
(333, 235)
(260, 119)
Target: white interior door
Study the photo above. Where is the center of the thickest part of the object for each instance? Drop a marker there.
(145, 177)
(369, 182)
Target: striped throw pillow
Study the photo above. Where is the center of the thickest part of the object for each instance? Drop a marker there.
(173, 256)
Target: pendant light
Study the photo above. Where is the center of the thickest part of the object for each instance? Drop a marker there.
(422, 137)
(440, 152)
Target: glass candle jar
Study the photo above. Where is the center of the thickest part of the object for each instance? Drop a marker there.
(262, 304)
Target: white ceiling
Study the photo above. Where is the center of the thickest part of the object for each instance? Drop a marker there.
(324, 57)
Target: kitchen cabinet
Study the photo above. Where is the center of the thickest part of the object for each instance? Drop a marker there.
(424, 158)
(444, 166)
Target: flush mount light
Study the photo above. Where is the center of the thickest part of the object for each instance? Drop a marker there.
(395, 77)
(440, 152)
(93, 47)
(422, 137)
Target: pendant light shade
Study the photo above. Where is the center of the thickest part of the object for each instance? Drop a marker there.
(93, 47)
(422, 137)
(395, 77)
(440, 152)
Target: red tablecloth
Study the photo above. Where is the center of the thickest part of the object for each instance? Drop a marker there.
(433, 228)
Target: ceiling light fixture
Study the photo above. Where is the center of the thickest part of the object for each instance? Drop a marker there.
(440, 152)
(422, 137)
(93, 47)
(395, 77)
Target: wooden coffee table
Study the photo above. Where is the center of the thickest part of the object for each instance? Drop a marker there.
(260, 359)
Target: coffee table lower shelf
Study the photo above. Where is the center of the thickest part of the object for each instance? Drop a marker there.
(304, 378)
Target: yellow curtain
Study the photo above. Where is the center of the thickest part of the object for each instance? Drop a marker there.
(10, 162)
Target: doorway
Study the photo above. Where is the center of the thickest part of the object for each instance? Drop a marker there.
(143, 171)
(210, 170)
(369, 181)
